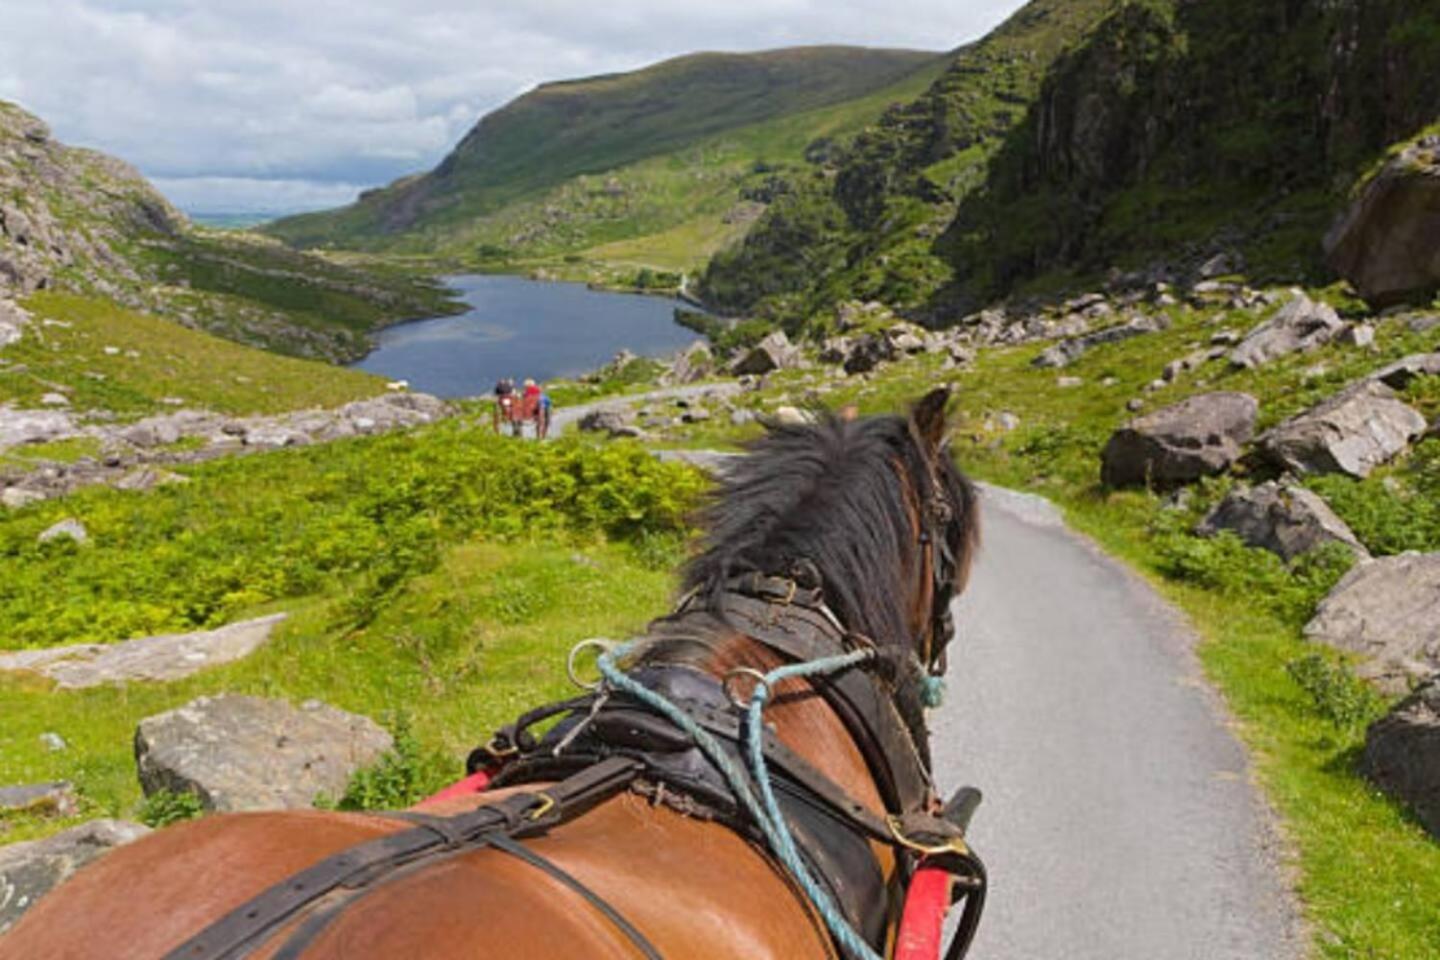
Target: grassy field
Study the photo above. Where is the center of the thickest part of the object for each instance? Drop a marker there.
(435, 581)
(105, 357)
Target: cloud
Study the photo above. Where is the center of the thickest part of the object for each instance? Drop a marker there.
(217, 98)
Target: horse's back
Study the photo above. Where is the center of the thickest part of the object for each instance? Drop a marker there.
(694, 889)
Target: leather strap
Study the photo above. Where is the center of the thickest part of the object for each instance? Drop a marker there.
(245, 928)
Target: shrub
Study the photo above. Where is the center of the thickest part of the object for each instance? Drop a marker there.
(1342, 698)
(406, 774)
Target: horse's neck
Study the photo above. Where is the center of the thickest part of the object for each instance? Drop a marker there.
(803, 721)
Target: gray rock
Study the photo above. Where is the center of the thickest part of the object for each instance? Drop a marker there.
(1299, 325)
(1068, 351)
(1402, 753)
(28, 871)
(775, 352)
(713, 462)
(53, 742)
(1406, 370)
(609, 420)
(907, 338)
(1388, 611)
(868, 352)
(13, 320)
(1388, 243)
(741, 416)
(1424, 324)
(1066, 383)
(1353, 432)
(1181, 443)
(835, 349)
(55, 400)
(55, 799)
(14, 498)
(1357, 335)
(34, 426)
(248, 753)
(696, 363)
(792, 416)
(69, 528)
(1282, 517)
(159, 658)
(148, 478)
(695, 415)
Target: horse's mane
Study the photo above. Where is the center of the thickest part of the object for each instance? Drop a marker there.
(832, 494)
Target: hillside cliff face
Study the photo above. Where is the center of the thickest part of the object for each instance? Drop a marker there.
(560, 131)
(1080, 137)
(83, 222)
(1182, 128)
(69, 213)
(862, 224)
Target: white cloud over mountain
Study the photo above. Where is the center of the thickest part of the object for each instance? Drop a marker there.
(271, 105)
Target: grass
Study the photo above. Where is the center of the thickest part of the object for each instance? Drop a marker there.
(105, 357)
(434, 579)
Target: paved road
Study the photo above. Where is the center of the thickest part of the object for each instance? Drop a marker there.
(1119, 821)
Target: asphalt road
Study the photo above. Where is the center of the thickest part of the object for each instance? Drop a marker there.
(1119, 819)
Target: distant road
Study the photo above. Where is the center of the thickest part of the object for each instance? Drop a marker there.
(1119, 821)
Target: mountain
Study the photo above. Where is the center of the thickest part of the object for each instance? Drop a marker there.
(80, 221)
(1081, 137)
(583, 163)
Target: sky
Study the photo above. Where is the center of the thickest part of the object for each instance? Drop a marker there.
(270, 106)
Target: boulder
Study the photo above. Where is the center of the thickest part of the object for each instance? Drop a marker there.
(28, 871)
(1388, 611)
(1301, 324)
(159, 658)
(834, 350)
(1282, 517)
(67, 529)
(907, 338)
(1066, 352)
(34, 426)
(775, 352)
(792, 416)
(148, 478)
(696, 363)
(247, 753)
(1181, 443)
(49, 799)
(1402, 753)
(615, 421)
(868, 352)
(1353, 432)
(13, 320)
(1357, 335)
(1406, 370)
(1388, 243)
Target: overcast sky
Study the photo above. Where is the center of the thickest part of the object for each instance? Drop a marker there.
(280, 105)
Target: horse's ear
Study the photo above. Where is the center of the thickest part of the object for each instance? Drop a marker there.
(928, 417)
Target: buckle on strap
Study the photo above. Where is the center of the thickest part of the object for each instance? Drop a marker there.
(940, 846)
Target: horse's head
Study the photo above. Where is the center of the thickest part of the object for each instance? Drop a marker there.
(872, 511)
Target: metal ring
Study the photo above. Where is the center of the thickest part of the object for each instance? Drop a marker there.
(750, 672)
(604, 646)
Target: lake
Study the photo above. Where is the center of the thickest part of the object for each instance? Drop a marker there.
(521, 328)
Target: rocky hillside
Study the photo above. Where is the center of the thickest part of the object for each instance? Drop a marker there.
(81, 221)
(586, 162)
(1131, 133)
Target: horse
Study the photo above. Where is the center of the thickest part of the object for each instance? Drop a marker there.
(838, 543)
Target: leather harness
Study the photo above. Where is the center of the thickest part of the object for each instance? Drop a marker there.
(604, 744)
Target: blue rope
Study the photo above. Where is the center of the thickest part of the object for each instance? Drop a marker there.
(764, 810)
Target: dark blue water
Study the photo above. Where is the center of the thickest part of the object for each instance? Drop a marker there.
(523, 328)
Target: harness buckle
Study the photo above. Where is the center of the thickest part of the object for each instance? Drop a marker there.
(547, 803)
(727, 686)
(955, 845)
(501, 747)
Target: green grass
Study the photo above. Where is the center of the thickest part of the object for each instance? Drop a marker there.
(105, 357)
(434, 579)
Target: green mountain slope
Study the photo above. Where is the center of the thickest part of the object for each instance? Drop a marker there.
(1080, 137)
(862, 222)
(587, 162)
(1182, 129)
(84, 222)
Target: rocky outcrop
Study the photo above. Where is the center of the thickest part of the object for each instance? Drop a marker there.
(696, 363)
(1198, 437)
(613, 421)
(1388, 611)
(28, 871)
(1353, 432)
(133, 450)
(1068, 351)
(13, 320)
(1282, 517)
(160, 658)
(45, 799)
(1402, 754)
(1388, 243)
(775, 352)
(1299, 325)
(247, 753)
(869, 351)
(1406, 370)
